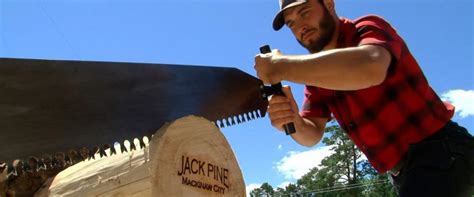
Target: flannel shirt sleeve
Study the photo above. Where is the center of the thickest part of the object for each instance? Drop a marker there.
(373, 30)
(314, 104)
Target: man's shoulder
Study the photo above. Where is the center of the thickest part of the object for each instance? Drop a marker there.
(372, 20)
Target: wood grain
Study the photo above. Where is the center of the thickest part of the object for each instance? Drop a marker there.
(187, 157)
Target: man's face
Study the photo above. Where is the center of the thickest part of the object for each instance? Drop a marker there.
(312, 25)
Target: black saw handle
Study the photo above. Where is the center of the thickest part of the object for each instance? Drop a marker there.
(290, 127)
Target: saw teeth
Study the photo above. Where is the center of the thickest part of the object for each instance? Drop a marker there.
(84, 152)
(73, 156)
(18, 167)
(3, 167)
(93, 151)
(220, 124)
(147, 139)
(112, 150)
(33, 164)
(132, 145)
(102, 152)
(127, 144)
(107, 149)
(137, 142)
(238, 119)
(47, 162)
(122, 148)
(142, 143)
(59, 160)
(224, 123)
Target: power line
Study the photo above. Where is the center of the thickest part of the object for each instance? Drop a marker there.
(350, 185)
(335, 188)
(347, 188)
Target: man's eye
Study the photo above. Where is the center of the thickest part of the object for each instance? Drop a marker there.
(304, 14)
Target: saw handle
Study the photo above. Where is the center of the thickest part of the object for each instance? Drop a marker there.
(290, 127)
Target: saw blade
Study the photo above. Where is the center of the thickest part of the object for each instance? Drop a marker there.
(50, 106)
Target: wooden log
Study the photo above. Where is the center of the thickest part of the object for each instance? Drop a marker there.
(3, 179)
(187, 157)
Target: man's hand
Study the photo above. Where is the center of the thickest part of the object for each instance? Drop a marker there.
(283, 109)
(268, 67)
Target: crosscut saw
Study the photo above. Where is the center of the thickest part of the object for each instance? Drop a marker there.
(84, 107)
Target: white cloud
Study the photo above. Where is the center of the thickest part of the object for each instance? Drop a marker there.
(463, 100)
(296, 164)
(280, 147)
(284, 184)
(251, 187)
(362, 158)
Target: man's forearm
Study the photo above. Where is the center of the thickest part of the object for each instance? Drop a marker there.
(307, 133)
(338, 69)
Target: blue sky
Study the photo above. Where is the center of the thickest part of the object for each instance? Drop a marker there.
(228, 33)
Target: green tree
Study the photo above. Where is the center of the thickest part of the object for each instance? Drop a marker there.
(257, 192)
(308, 182)
(291, 190)
(343, 174)
(264, 190)
(280, 192)
(377, 184)
(342, 166)
(267, 189)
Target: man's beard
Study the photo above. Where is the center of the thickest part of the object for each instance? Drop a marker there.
(326, 29)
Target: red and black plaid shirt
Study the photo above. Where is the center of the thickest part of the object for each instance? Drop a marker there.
(382, 120)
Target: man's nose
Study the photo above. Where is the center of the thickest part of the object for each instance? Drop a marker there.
(303, 30)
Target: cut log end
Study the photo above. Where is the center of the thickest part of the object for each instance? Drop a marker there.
(187, 157)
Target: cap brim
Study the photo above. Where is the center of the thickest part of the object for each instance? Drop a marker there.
(279, 21)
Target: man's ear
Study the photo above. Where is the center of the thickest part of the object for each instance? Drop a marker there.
(330, 6)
